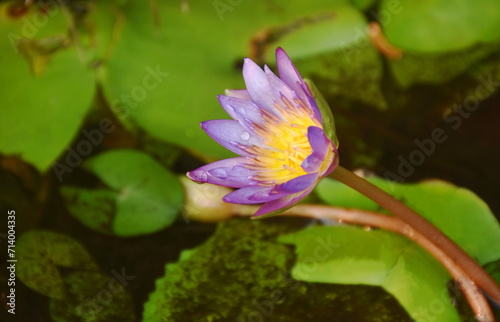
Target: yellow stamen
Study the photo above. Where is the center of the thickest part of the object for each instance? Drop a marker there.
(289, 145)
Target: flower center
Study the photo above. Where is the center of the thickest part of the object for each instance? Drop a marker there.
(287, 143)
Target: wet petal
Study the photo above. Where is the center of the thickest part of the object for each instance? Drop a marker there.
(298, 184)
(231, 135)
(241, 110)
(312, 163)
(252, 195)
(282, 204)
(238, 93)
(227, 172)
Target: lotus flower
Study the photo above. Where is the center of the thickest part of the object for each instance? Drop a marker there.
(278, 132)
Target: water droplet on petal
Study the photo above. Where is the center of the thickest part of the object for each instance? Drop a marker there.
(243, 111)
(244, 135)
(219, 173)
(198, 176)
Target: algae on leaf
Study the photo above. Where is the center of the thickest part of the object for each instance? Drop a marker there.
(243, 273)
(42, 254)
(93, 297)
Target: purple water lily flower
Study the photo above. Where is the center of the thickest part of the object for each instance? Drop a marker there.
(277, 131)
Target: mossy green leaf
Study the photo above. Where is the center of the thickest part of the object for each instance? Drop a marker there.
(149, 196)
(93, 297)
(246, 254)
(349, 255)
(438, 68)
(40, 253)
(44, 113)
(93, 208)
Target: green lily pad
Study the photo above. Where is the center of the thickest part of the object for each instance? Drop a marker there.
(334, 50)
(93, 297)
(364, 4)
(349, 255)
(40, 253)
(438, 68)
(45, 113)
(93, 208)
(458, 212)
(440, 25)
(166, 65)
(147, 197)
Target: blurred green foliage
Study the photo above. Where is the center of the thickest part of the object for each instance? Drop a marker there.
(158, 71)
(42, 254)
(142, 198)
(86, 85)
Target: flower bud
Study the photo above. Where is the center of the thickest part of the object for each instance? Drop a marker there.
(203, 202)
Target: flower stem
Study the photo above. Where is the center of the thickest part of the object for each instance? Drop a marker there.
(476, 299)
(423, 227)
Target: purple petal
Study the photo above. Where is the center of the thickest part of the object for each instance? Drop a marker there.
(289, 74)
(312, 103)
(279, 87)
(312, 163)
(298, 184)
(281, 204)
(320, 145)
(318, 140)
(258, 86)
(227, 172)
(334, 164)
(241, 110)
(252, 195)
(238, 93)
(231, 135)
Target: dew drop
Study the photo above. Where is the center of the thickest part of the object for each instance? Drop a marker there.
(198, 176)
(244, 135)
(243, 111)
(219, 173)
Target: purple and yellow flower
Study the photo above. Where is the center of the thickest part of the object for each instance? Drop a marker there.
(278, 132)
